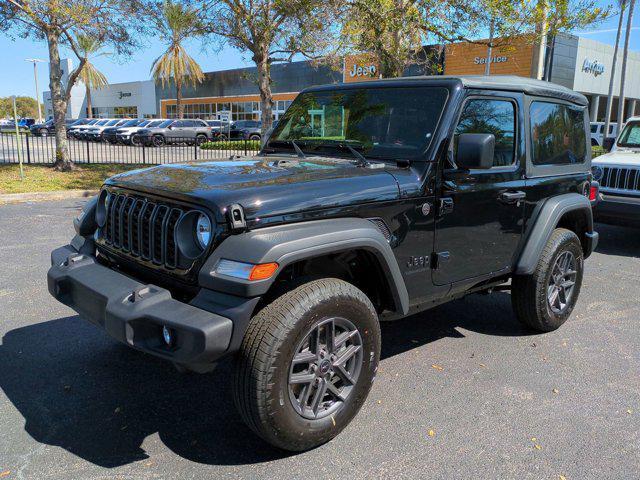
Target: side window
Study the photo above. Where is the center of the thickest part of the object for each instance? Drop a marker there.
(498, 117)
(177, 124)
(557, 134)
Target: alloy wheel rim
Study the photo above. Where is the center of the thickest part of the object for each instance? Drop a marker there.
(562, 282)
(325, 368)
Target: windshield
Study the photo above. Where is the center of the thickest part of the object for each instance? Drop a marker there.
(111, 123)
(380, 122)
(77, 122)
(164, 124)
(630, 136)
(153, 123)
(131, 123)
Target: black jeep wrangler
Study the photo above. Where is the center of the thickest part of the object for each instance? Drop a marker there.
(368, 202)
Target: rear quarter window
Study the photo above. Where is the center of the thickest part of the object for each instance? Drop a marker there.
(557, 134)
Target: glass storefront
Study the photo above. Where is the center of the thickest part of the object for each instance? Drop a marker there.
(114, 112)
(226, 110)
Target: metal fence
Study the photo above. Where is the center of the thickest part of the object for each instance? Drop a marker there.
(41, 150)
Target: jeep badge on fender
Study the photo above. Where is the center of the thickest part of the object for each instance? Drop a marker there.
(288, 261)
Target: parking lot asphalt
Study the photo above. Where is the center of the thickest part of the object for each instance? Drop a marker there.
(462, 392)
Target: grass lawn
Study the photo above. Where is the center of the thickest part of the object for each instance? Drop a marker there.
(43, 178)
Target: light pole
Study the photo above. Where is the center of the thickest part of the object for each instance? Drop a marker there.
(35, 62)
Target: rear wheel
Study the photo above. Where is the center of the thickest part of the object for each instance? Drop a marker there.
(200, 139)
(545, 299)
(44, 132)
(136, 141)
(254, 136)
(306, 364)
(158, 141)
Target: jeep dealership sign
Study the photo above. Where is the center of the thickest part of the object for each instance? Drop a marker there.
(592, 66)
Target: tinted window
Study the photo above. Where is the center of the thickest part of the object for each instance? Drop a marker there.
(497, 117)
(594, 128)
(164, 124)
(557, 133)
(394, 122)
(630, 136)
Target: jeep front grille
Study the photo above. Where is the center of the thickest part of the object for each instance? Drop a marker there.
(621, 178)
(142, 229)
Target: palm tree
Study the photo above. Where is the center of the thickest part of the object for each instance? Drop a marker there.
(90, 75)
(175, 24)
(625, 53)
(607, 118)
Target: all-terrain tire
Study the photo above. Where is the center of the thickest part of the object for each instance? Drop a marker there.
(530, 293)
(262, 392)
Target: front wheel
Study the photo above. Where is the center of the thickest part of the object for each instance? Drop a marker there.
(158, 141)
(545, 299)
(44, 132)
(306, 364)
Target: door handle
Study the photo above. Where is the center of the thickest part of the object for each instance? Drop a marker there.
(512, 197)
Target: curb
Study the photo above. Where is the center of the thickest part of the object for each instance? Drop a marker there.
(44, 196)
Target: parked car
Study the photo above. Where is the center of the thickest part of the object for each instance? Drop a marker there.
(94, 133)
(48, 128)
(110, 134)
(597, 130)
(397, 196)
(79, 132)
(618, 173)
(130, 135)
(219, 129)
(245, 130)
(176, 131)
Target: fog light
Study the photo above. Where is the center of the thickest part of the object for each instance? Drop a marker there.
(167, 335)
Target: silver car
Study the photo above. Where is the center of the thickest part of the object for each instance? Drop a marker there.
(189, 131)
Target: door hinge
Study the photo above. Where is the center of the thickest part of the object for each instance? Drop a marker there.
(438, 259)
(446, 206)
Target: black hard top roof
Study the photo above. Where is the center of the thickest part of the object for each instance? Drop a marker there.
(510, 83)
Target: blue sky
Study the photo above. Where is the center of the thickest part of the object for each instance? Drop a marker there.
(17, 75)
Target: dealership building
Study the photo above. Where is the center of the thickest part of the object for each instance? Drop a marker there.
(578, 63)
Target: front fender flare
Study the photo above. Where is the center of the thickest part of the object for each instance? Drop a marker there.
(286, 244)
(547, 219)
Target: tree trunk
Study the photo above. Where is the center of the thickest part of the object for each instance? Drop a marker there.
(179, 105)
(59, 103)
(551, 43)
(607, 117)
(89, 106)
(623, 74)
(264, 86)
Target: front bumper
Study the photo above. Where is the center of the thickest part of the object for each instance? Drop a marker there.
(135, 313)
(618, 210)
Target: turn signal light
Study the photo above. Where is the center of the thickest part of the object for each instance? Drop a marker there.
(263, 271)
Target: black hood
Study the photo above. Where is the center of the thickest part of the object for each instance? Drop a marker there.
(265, 186)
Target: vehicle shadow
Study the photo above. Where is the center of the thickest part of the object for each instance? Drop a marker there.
(616, 240)
(99, 400)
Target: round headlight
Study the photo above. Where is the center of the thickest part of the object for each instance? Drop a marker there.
(203, 230)
(102, 208)
(597, 173)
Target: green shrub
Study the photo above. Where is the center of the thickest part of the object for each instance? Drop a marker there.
(231, 145)
(596, 151)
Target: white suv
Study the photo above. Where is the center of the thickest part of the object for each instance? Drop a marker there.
(619, 175)
(597, 129)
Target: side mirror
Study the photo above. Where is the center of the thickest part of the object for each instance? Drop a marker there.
(607, 143)
(475, 150)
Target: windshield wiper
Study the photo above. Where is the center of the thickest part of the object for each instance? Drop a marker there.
(298, 149)
(362, 160)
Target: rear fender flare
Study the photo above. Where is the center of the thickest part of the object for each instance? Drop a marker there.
(547, 219)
